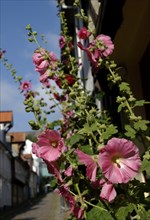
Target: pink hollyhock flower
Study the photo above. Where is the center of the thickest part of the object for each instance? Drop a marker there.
(69, 171)
(44, 78)
(119, 160)
(98, 183)
(63, 190)
(108, 192)
(38, 56)
(88, 161)
(79, 213)
(42, 67)
(25, 86)
(83, 33)
(40, 59)
(101, 47)
(74, 208)
(62, 41)
(53, 168)
(49, 145)
(53, 61)
(108, 46)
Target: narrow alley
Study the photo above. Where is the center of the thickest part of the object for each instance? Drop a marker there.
(45, 208)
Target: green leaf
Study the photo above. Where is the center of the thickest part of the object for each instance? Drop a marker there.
(139, 103)
(75, 138)
(122, 105)
(87, 149)
(141, 125)
(98, 214)
(85, 129)
(125, 87)
(123, 212)
(93, 127)
(143, 214)
(146, 166)
(130, 131)
(109, 132)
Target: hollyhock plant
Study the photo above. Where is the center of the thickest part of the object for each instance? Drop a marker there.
(119, 160)
(49, 145)
(96, 166)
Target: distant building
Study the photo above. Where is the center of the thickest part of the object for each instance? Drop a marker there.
(6, 122)
(19, 169)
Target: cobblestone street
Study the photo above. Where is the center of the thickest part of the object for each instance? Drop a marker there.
(47, 208)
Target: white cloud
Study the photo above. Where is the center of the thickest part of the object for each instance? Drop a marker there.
(28, 53)
(53, 42)
(10, 97)
(54, 2)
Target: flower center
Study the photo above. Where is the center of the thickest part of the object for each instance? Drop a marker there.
(25, 86)
(116, 160)
(54, 144)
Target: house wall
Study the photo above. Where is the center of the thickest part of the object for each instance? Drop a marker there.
(5, 178)
(131, 42)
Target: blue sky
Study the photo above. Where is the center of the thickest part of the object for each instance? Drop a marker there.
(14, 16)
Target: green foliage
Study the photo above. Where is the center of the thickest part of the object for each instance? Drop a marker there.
(109, 131)
(123, 212)
(141, 125)
(98, 213)
(130, 132)
(124, 87)
(75, 139)
(146, 166)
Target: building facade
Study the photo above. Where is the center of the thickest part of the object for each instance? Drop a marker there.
(19, 172)
(6, 122)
